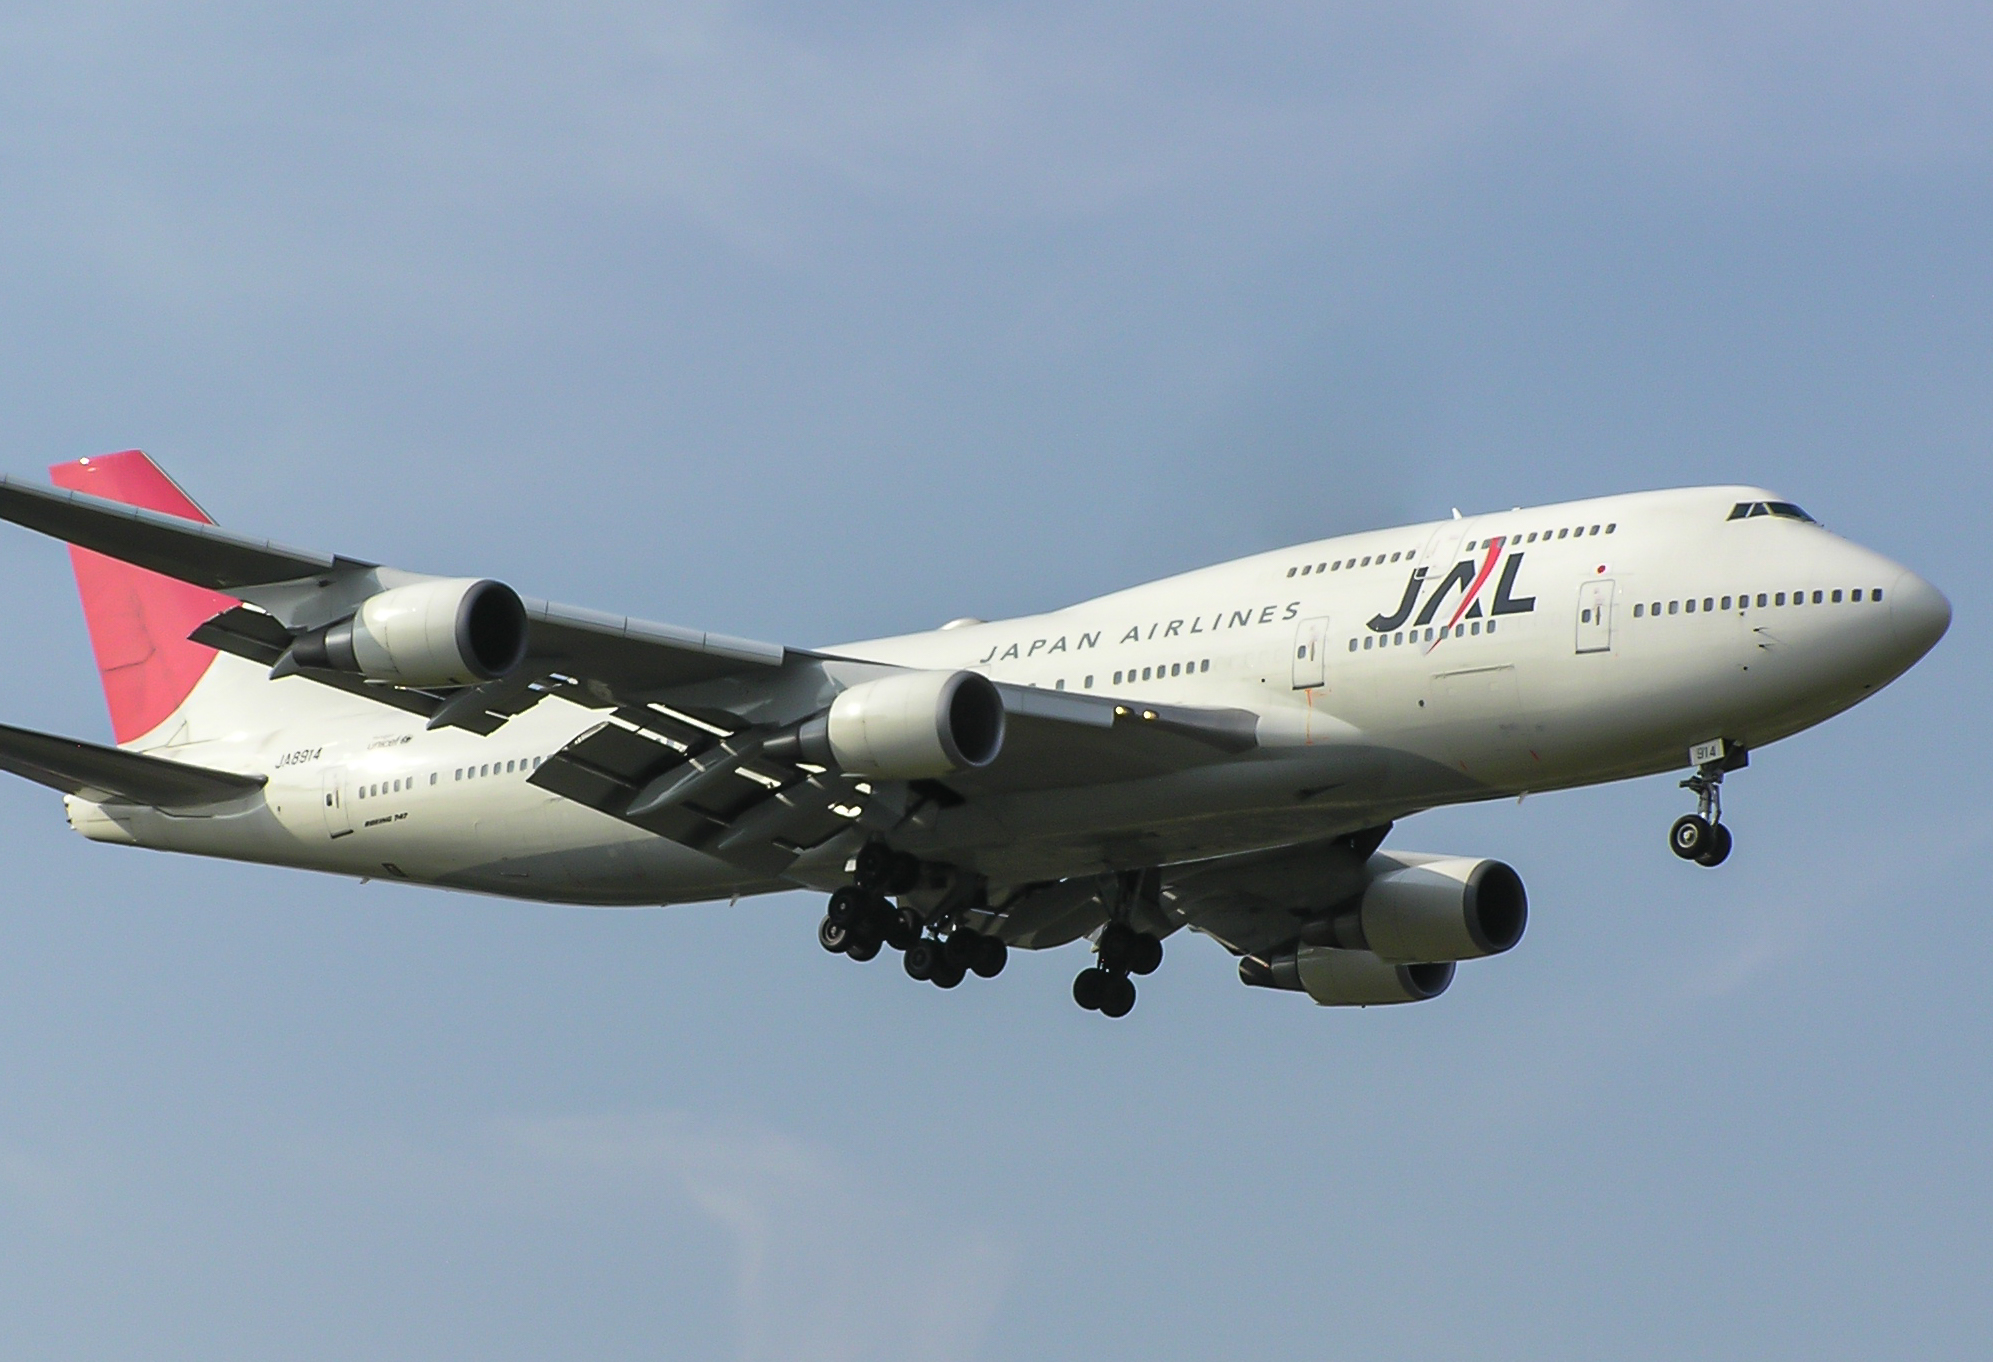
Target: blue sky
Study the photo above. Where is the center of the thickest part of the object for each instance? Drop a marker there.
(812, 326)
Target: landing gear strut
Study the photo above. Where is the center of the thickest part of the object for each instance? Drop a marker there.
(1701, 836)
(860, 919)
(1120, 952)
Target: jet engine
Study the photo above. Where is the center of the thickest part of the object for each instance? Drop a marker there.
(455, 632)
(911, 726)
(1335, 977)
(1417, 908)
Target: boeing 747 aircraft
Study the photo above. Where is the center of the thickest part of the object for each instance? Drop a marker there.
(1225, 750)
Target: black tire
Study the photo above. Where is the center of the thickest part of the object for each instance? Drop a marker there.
(832, 937)
(862, 946)
(1145, 956)
(874, 867)
(848, 907)
(962, 948)
(1120, 998)
(902, 928)
(1689, 837)
(1114, 946)
(948, 975)
(991, 956)
(923, 958)
(1718, 850)
(1089, 987)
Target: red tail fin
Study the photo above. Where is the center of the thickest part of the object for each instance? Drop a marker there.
(139, 620)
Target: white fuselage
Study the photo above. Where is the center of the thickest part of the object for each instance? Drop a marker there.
(1580, 643)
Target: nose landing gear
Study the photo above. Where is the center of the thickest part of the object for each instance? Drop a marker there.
(1701, 836)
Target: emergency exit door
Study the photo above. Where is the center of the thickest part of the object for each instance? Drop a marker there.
(338, 822)
(1310, 644)
(1595, 616)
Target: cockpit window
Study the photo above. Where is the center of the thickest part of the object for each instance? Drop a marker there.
(1744, 510)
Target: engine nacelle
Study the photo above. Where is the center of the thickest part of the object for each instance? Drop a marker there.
(1335, 977)
(1419, 908)
(913, 726)
(455, 632)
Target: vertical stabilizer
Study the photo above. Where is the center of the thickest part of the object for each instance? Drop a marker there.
(139, 620)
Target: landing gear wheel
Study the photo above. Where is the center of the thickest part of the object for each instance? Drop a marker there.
(1690, 837)
(948, 975)
(923, 958)
(862, 947)
(874, 867)
(991, 956)
(1718, 849)
(962, 948)
(1145, 954)
(848, 907)
(832, 937)
(902, 928)
(1090, 988)
(1120, 998)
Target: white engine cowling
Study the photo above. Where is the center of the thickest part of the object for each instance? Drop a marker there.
(456, 632)
(1420, 908)
(916, 725)
(1335, 977)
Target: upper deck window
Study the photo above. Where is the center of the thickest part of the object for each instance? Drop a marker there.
(1744, 510)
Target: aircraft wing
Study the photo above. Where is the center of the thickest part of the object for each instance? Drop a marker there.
(110, 774)
(595, 657)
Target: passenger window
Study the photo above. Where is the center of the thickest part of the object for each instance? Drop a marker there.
(1352, 645)
(1366, 560)
(1336, 566)
(1399, 637)
(1708, 604)
(1491, 626)
(484, 770)
(1689, 607)
(1476, 627)
(1584, 617)
(1562, 533)
(1639, 609)
(1595, 529)
(1368, 640)
(1779, 599)
(1205, 666)
(1761, 600)
(1837, 598)
(1875, 594)
(1306, 568)
(1674, 607)
(1816, 598)
(1292, 571)
(460, 773)
(1532, 538)
(1394, 557)
(1610, 528)
(1726, 602)
(1145, 673)
(1176, 669)
(433, 775)
(1089, 686)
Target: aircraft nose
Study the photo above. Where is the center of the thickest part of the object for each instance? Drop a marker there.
(1919, 614)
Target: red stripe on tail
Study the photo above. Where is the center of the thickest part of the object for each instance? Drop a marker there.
(139, 620)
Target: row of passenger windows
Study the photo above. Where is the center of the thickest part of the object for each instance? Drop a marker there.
(1428, 635)
(1711, 604)
(375, 789)
(1378, 559)
(1161, 673)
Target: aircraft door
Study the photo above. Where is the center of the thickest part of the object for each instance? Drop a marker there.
(338, 821)
(1311, 639)
(1595, 616)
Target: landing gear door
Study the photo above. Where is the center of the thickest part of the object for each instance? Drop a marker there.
(1311, 638)
(1595, 616)
(338, 822)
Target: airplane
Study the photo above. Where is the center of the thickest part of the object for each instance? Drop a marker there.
(1225, 750)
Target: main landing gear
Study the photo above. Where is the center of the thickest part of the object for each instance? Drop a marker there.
(860, 920)
(1120, 952)
(1702, 836)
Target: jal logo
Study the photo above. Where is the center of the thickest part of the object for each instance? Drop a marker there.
(1470, 578)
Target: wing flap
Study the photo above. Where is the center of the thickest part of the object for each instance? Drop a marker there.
(110, 774)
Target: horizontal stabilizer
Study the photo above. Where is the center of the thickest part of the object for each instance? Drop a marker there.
(112, 775)
(168, 544)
